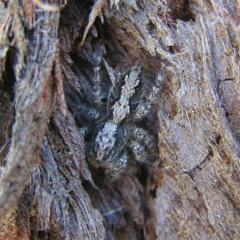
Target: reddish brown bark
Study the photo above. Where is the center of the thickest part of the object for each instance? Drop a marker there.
(48, 188)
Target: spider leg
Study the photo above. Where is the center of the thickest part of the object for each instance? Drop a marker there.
(148, 98)
(145, 97)
(114, 170)
(97, 89)
(96, 59)
(143, 145)
(139, 152)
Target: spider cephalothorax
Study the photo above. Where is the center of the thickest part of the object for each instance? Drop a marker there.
(115, 130)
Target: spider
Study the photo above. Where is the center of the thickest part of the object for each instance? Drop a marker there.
(111, 118)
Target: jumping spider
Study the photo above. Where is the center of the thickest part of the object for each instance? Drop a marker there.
(114, 130)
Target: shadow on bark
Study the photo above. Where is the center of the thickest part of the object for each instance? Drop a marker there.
(54, 93)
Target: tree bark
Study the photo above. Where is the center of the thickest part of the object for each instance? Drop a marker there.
(49, 186)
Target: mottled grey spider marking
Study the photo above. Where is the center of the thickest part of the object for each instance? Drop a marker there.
(116, 130)
(119, 137)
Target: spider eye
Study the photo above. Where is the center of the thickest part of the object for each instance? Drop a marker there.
(104, 100)
(80, 108)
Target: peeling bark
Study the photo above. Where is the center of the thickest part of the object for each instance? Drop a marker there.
(57, 57)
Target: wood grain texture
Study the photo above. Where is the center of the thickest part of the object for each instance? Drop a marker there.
(191, 191)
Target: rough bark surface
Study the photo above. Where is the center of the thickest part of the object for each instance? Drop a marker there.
(58, 63)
